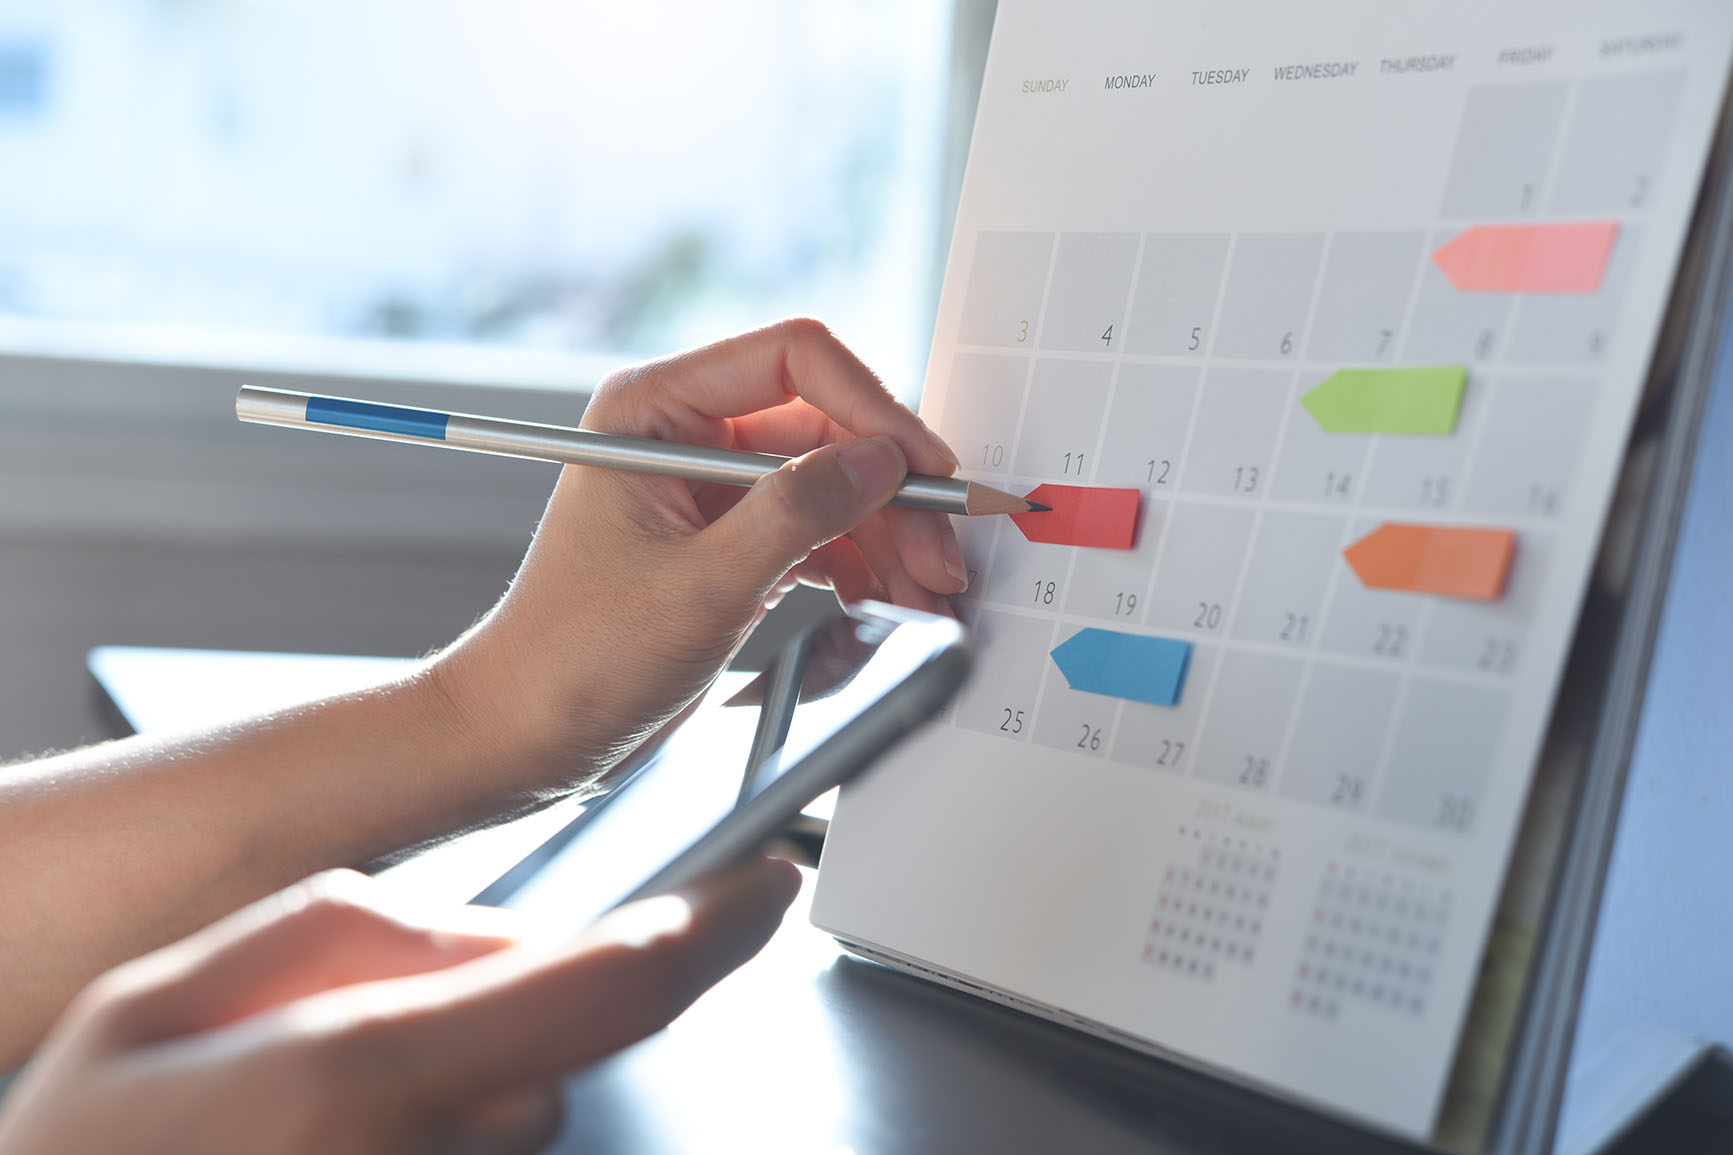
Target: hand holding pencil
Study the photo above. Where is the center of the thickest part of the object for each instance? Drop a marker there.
(667, 576)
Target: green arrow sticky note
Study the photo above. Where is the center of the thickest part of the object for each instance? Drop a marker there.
(1423, 400)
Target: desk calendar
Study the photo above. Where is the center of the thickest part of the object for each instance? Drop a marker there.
(1360, 299)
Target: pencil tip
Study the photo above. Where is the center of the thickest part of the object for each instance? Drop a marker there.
(1037, 507)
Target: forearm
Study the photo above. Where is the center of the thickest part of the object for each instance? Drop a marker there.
(108, 852)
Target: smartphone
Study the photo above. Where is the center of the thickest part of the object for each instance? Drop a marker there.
(739, 768)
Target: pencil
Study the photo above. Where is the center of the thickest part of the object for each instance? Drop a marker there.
(568, 446)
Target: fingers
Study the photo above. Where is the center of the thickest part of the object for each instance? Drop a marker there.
(523, 1017)
(785, 389)
(879, 548)
(330, 931)
(927, 545)
(802, 506)
(762, 370)
(842, 568)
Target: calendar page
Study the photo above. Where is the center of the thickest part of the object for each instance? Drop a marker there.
(1322, 326)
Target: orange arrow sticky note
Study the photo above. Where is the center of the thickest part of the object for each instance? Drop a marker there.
(1529, 258)
(1082, 515)
(1435, 559)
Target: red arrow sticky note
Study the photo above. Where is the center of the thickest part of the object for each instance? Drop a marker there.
(1529, 258)
(1435, 559)
(1081, 515)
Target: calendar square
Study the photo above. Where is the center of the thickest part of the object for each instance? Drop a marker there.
(1162, 737)
(1112, 584)
(1268, 296)
(1090, 288)
(1007, 283)
(1370, 623)
(1062, 420)
(999, 697)
(1529, 449)
(1211, 908)
(1143, 446)
(1234, 436)
(1074, 721)
(982, 401)
(1282, 597)
(1503, 149)
(1489, 637)
(1570, 328)
(1450, 327)
(1247, 719)
(1368, 278)
(1427, 473)
(1316, 466)
(1199, 570)
(1619, 133)
(1443, 751)
(1338, 736)
(1175, 301)
(1030, 575)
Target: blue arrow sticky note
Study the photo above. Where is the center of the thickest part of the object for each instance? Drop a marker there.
(1130, 666)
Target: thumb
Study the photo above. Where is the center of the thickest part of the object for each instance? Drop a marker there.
(331, 930)
(808, 502)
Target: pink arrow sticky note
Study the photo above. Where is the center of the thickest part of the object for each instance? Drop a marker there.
(1529, 258)
(1082, 515)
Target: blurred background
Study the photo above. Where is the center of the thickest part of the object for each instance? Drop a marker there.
(468, 205)
(579, 178)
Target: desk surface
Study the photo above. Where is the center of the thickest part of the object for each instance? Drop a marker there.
(806, 1049)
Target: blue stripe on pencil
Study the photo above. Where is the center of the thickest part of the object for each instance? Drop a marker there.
(379, 418)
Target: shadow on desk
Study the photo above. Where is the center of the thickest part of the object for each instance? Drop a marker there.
(806, 1050)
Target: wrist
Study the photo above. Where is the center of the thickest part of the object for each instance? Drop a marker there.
(526, 728)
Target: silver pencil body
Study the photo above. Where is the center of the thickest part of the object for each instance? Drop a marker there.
(554, 443)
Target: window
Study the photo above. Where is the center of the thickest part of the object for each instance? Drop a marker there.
(557, 178)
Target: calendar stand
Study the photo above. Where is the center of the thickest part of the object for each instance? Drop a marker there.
(1656, 1021)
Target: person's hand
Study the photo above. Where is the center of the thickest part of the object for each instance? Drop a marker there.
(637, 589)
(317, 1021)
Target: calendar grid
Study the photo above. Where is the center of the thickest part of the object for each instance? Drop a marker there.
(1113, 382)
(1223, 499)
(1279, 756)
(1251, 775)
(1070, 561)
(1405, 667)
(1537, 523)
(1537, 369)
(1369, 786)
(1185, 766)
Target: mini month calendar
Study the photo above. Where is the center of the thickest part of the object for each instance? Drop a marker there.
(1325, 324)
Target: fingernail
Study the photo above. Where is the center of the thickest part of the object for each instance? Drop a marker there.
(945, 451)
(954, 564)
(873, 465)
